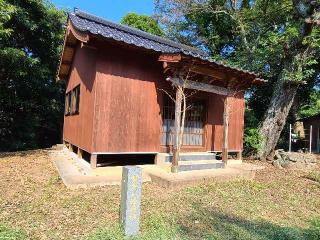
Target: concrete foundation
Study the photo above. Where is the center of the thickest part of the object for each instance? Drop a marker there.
(77, 173)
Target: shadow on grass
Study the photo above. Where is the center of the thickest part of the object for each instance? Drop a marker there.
(217, 225)
(313, 176)
(210, 225)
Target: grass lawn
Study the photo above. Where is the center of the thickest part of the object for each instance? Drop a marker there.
(278, 204)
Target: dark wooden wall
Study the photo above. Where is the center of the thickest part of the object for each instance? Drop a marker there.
(127, 111)
(215, 122)
(78, 128)
(120, 104)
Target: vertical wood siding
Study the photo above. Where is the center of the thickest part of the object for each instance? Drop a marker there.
(127, 110)
(78, 128)
(236, 123)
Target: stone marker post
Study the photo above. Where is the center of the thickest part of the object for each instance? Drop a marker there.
(130, 199)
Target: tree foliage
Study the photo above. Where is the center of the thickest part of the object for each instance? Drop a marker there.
(31, 102)
(278, 39)
(5, 15)
(312, 107)
(142, 22)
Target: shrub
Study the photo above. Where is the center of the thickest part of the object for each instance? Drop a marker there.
(252, 142)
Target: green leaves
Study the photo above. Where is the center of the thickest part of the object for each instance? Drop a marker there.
(142, 22)
(6, 10)
(313, 107)
(252, 142)
(31, 102)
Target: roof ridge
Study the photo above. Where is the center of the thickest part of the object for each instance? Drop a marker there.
(138, 32)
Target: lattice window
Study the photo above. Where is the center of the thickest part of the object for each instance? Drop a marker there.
(72, 101)
(194, 122)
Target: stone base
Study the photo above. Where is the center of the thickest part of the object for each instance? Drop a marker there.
(294, 160)
(233, 162)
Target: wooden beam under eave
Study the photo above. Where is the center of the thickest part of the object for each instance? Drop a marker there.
(201, 86)
(66, 62)
(70, 45)
(203, 70)
(170, 57)
(63, 77)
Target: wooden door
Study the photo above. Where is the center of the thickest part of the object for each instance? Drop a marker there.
(194, 123)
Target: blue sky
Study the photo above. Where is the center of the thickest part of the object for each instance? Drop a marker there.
(113, 10)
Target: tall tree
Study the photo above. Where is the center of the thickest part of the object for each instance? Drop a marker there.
(279, 39)
(142, 22)
(31, 102)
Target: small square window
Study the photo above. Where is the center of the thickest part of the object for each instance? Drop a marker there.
(67, 110)
(72, 101)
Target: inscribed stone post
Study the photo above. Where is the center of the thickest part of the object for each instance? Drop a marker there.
(130, 199)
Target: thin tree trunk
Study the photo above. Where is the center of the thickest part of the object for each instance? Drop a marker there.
(177, 128)
(275, 118)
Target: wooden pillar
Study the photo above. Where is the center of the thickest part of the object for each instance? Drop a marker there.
(79, 153)
(225, 130)
(239, 155)
(93, 161)
(177, 126)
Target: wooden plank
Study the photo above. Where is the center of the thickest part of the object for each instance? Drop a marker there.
(236, 122)
(208, 71)
(225, 139)
(93, 161)
(201, 86)
(80, 153)
(70, 45)
(66, 62)
(128, 101)
(239, 155)
(78, 128)
(170, 57)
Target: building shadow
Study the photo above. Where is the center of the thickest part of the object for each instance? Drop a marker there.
(212, 224)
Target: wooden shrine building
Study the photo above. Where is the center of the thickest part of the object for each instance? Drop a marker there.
(121, 86)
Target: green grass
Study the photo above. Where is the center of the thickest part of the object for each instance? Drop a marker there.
(154, 227)
(314, 176)
(11, 234)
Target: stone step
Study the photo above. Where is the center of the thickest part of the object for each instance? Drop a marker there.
(193, 157)
(58, 147)
(199, 165)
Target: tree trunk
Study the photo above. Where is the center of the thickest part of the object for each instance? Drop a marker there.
(275, 117)
(284, 93)
(177, 128)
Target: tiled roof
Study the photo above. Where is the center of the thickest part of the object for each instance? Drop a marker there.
(86, 22)
(119, 32)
